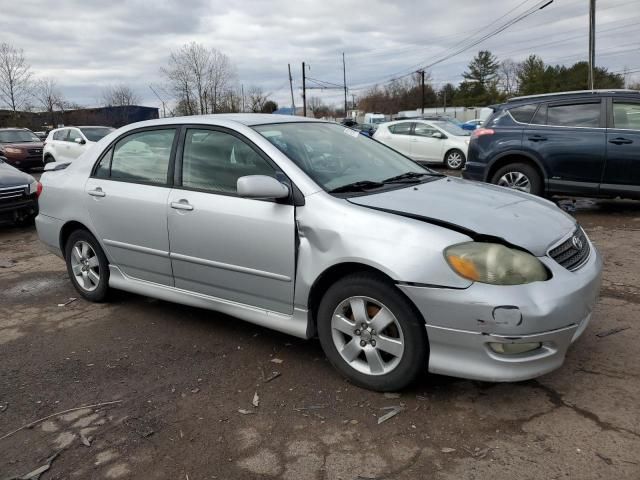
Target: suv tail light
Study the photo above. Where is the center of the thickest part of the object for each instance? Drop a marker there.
(478, 132)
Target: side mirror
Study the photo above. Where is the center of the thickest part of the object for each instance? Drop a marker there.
(79, 141)
(261, 186)
(54, 166)
(438, 135)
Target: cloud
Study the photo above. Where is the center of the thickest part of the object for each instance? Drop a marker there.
(89, 44)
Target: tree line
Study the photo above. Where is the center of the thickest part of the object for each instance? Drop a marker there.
(486, 81)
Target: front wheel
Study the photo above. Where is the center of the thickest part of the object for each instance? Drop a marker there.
(454, 159)
(87, 266)
(519, 176)
(371, 334)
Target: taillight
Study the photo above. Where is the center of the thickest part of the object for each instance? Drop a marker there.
(478, 132)
(38, 190)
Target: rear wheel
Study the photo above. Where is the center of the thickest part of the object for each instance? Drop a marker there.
(519, 176)
(454, 159)
(87, 266)
(371, 334)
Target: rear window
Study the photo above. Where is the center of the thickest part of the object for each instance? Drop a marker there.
(576, 115)
(523, 113)
(401, 128)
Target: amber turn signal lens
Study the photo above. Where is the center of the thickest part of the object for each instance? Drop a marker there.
(464, 267)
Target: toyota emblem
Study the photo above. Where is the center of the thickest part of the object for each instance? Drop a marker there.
(577, 243)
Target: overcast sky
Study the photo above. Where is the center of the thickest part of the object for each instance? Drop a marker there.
(88, 44)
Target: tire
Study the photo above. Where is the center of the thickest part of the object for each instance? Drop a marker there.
(372, 366)
(454, 159)
(519, 176)
(92, 259)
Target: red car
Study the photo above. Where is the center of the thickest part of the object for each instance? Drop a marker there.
(21, 148)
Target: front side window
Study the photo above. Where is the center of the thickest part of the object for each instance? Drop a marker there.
(452, 128)
(403, 128)
(143, 157)
(576, 115)
(424, 130)
(73, 134)
(214, 161)
(626, 115)
(334, 156)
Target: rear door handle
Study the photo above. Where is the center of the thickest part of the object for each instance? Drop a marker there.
(537, 138)
(620, 141)
(97, 192)
(182, 204)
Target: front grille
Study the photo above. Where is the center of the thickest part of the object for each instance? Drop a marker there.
(34, 152)
(13, 194)
(573, 252)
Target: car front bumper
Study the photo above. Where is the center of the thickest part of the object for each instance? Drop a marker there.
(462, 323)
(16, 211)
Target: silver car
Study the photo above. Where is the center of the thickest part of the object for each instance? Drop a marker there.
(310, 228)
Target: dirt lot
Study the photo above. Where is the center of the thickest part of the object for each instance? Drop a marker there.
(183, 374)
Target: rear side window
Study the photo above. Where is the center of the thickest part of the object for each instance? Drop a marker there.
(61, 134)
(213, 161)
(576, 115)
(626, 115)
(403, 128)
(143, 157)
(523, 113)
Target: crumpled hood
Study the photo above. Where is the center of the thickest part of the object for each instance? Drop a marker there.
(12, 177)
(524, 220)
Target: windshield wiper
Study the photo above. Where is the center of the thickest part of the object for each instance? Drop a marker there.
(410, 176)
(357, 186)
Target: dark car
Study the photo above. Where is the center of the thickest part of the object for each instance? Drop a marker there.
(572, 143)
(18, 195)
(21, 148)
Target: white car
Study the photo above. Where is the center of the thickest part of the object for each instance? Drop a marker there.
(68, 143)
(427, 141)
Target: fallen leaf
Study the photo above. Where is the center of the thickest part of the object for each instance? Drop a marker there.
(245, 412)
(275, 360)
(448, 450)
(256, 400)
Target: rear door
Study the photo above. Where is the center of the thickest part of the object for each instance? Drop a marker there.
(400, 137)
(622, 171)
(424, 146)
(569, 138)
(59, 144)
(127, 197)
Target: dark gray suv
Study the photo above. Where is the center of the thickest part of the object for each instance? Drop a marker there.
(572, 143)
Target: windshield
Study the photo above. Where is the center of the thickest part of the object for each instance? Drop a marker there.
(335, 156)
(94, 134)
(451, 128)
(17, 136)
(378, 120)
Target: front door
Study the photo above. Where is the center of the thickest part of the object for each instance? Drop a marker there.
(425, 147)
(127, 201)
(222, 245)
(74, 149)
(569, 138)
(622, 171)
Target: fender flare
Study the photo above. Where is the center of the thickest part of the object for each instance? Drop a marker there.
(519, 153)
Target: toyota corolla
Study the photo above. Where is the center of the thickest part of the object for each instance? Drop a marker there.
(309, 228)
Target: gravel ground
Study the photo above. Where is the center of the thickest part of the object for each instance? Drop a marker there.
(186, 379)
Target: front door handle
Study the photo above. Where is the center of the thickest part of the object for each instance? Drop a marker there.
(620, 141)
(537, 138)
(182, 204)
(97, 192)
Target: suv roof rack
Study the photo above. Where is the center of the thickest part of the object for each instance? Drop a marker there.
(574, 92)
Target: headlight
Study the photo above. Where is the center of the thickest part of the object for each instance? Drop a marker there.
(466, 141)
(33, 187)
(494, 263)
(12, 150)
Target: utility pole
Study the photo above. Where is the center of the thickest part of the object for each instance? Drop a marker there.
(304, 92)
(242, 90)
(344, 77)
(293, 103)
(422, 102)
(444, 94)
(592, 41)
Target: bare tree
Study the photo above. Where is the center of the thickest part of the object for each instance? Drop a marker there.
(15, 77)
(200, 78)
(316, 106)
(119, 96)
(49, 97)
(508, 76)
(257, 99)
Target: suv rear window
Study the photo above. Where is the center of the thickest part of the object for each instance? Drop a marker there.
(576, 115)
(523, 113)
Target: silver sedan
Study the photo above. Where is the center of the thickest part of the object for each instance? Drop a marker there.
(309, 228)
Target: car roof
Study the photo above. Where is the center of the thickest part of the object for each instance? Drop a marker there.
(574, 93)
(248, 119)
(15, 129)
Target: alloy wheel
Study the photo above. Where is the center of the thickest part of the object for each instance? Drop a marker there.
(516, 181)
(367, 335)
(85, 266)
(454, 160)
